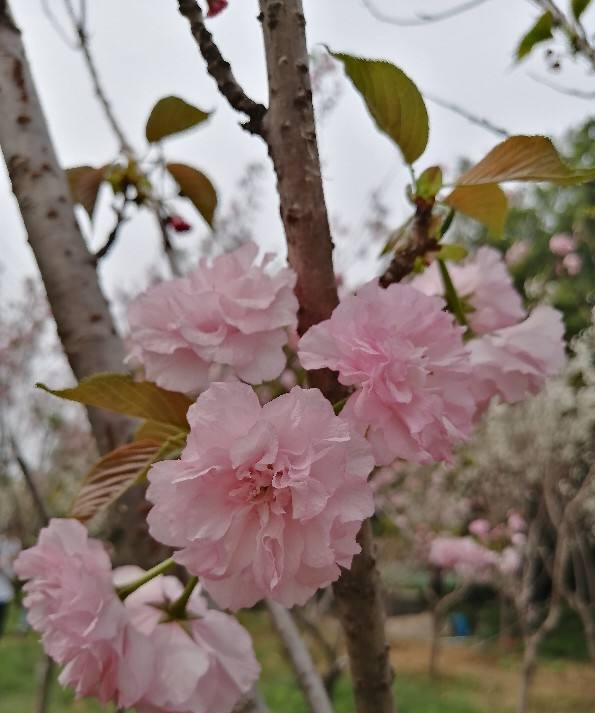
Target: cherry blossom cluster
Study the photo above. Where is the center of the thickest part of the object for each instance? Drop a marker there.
(130, 652)
(267, 499)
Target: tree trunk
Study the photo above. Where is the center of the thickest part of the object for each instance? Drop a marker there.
(527, 673)
(83, 319)
(433, 668)
(290, 132)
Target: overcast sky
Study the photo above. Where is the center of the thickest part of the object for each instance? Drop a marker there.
(144, 51)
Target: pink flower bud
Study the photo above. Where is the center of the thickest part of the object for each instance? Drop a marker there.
(216, 6)
(562, 244)
(573, 263)
(177, 223)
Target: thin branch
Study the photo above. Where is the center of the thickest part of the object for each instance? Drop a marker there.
(38, 503)
(220, 69)
(569, 91)
(111, 239)
(574, 31)
(421, 18)
(81, 31)
(473, 118)
(307, 676)
(53, 20)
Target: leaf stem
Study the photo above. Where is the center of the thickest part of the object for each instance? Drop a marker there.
(150, 574)
(453, 301)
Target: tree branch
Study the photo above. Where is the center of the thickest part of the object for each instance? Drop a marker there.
(574, 31)
(81, 312)
(422, 18)
(81, 31)
(307, 676)
(474, 119)
(220, 69)
(38, 503)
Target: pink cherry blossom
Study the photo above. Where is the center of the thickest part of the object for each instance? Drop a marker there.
(479, 527)
(265, 501)
(84, 626)
(515, 362)
(517, 252)
(405, 357)
(510, 561)
(231, 314)
(484, 284)
(573, 263)
(561, 244)
(463, 555)
(206, 663)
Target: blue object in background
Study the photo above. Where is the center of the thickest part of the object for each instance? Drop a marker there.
(461, 626)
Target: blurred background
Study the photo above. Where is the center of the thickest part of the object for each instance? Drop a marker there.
(461, 625)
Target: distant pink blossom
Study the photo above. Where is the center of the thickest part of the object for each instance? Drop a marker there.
(405, 358)
(71, 601)
(231, 314)
(510, 561)
(516, 252)
(573, 263)
(479, 527)
(561, 244)
(205, 663)
(463, 555)
(484, 284)
(516, 522)
(516, 361)
(265, 501)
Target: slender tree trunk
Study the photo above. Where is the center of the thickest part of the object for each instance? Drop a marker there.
(528, 669)
(67, 268)
(435, 645)
(44, 686)
(307, 676)
(290, 132)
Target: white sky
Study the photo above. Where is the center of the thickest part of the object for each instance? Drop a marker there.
(144, 51)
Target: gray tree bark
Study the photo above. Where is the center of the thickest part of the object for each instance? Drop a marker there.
(82, 315)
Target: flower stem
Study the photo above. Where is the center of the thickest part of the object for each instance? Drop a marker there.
(178, 608)
(150, 574)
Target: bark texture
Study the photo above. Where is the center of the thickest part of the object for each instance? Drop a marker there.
(82, 316)
(308, 678)
(290, 132)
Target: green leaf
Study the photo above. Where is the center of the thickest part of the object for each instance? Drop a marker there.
(540, 32)
(525, 158)
(452, 252)
(429, 183)
(118, 392)
(195, 186)
(84, 183)
(578, 7)
(118, 471)
(393, 100)
(171, 115)
(486, 203)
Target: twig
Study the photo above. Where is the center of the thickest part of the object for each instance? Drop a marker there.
(220, 69)
(307, 676)
(421, 18)
(569, 91)
(473, 118)
(79, 26)
(111, 239)
(38, 503)
(574, 30)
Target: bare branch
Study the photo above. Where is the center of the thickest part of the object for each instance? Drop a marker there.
(38, 503)
(422, 18)
(569, 91)
(473, 118)
(307, 676)
(220, 69)
(109, 243)
(81, 31)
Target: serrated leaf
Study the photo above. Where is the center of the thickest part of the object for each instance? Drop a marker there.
(524, 158)
(429, 182)
(539, 32)
(486, 203)
(118, 471)
(578, 7)
(452, 252)
(393, 100)
(195, 186)
(171, 115)
(118, 392)
(154, 431)
(84, 183)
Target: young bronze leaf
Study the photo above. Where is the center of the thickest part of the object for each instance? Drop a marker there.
(486, 203)
(393, 100)
(540, 32)
(524, 158)
(195, 186)
(154, 431)
(84, 183)
(171, 115)
(120, 393)
(118, 471)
